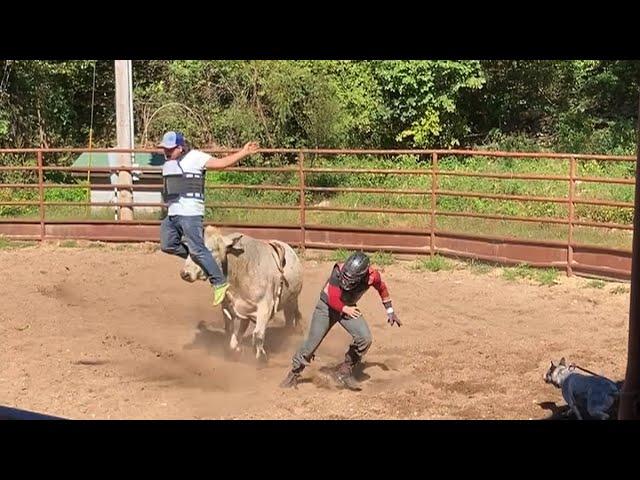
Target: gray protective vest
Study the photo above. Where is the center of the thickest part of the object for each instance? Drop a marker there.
(179, 184)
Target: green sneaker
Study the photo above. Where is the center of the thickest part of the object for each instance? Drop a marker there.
(219, 292)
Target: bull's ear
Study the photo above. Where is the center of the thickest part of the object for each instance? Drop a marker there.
(231, 241)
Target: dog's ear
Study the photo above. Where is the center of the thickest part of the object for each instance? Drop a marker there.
(553, 365)
(563, 362)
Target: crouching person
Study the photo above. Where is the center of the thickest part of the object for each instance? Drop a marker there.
(346, 285)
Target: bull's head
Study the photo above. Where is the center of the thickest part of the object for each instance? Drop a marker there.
(219, 245)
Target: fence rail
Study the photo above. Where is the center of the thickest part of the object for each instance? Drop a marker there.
(429, 239)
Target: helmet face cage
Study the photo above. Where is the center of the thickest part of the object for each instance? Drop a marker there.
(354, 271)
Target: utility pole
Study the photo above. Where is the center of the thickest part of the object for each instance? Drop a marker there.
(124, 132)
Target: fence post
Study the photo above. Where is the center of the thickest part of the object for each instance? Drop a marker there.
(41, 193)
(572, 194)
(303, 220)
(434, 185)
(630, 395)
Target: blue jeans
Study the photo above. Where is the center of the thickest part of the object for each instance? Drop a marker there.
(173, 228)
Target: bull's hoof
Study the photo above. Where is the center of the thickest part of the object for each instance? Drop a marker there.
(234, 355)
(261, 358)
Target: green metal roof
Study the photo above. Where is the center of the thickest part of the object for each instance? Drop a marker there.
(106, 159)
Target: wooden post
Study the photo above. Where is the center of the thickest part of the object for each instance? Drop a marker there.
(124, 125)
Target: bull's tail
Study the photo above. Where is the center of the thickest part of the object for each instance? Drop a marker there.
(281, 262)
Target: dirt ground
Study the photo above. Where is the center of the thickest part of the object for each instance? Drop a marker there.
(114, 333)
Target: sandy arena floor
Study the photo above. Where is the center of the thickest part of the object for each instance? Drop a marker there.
(112, 332)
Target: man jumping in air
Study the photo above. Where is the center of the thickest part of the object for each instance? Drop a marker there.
(183, 176)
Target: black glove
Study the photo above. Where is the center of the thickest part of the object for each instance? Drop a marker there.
(393, 318)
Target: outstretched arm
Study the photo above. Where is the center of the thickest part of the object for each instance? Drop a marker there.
(375, 279)
(224, 162)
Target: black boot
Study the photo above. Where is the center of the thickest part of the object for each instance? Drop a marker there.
(343, 375)
(291, 380)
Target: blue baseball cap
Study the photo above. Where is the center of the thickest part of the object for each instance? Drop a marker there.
(172, 140)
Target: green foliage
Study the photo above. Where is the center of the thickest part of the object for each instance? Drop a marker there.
(382, 258)
(421, 99)
(619, 290)
(339, 255)
(432, 264)
(599, 284)
(545, 276)
(6, 244)
(581, 106)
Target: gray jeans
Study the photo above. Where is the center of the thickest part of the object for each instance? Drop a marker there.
(173, 228)
(323, 319)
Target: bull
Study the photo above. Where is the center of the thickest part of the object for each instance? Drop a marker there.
(264, 278)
